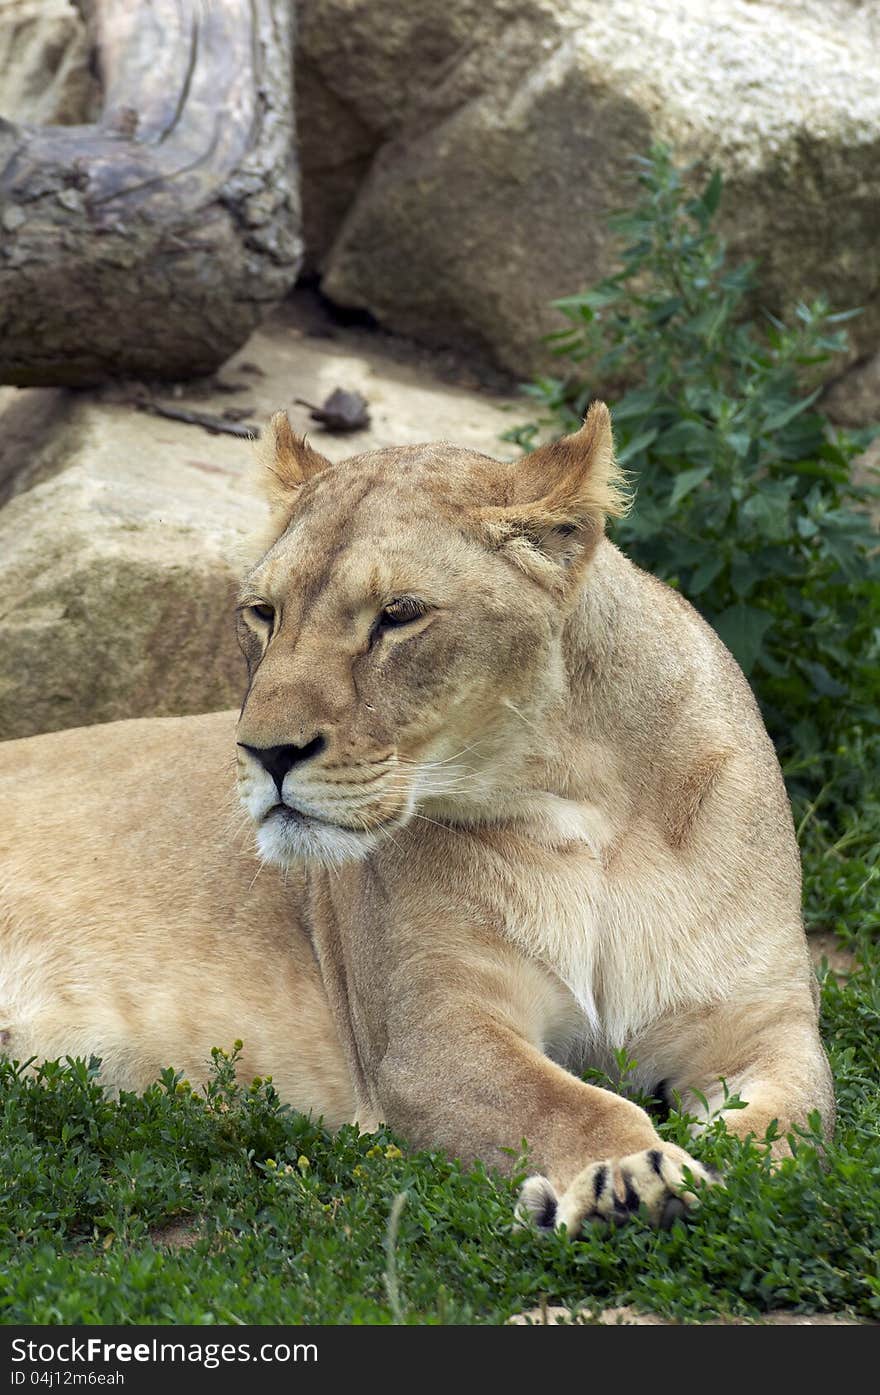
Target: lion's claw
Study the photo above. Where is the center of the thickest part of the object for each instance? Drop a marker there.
(614, 1190)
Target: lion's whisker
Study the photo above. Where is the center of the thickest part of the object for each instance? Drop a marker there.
(260, 865)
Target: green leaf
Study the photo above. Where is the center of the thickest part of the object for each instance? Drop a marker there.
(769, 512)
(822, 680)
(784, 415)
(744, 575)
(845, 555)
(705, 574)
(637, 403)
(739, 442)
(712, 193)
(663, 312)
(817, 469)
(742, 628)
(686, 481)
(707, 324)
(688, 440)
(638, 443)
(596, 299)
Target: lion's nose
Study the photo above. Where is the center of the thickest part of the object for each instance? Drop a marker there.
(278, 760)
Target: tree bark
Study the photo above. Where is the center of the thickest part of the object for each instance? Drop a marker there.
(150, 244)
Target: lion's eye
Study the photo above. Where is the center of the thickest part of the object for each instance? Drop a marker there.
(401, 612)
(266, 613)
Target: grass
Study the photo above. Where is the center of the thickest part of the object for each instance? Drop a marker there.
(293, 1225)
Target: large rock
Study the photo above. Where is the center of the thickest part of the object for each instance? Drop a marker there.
(498, 135)
(120, 546)
(117, 580)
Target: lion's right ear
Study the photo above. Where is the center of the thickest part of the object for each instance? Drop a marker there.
(285, 462)
(557, 501)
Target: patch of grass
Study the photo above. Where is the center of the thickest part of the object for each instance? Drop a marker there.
(293, 1223)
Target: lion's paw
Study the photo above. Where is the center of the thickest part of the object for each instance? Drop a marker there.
(616, 1189)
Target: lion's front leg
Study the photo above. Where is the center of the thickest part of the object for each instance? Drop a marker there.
(477, 1088)
(462, 1067)
(764, 1055)
(450, 1032)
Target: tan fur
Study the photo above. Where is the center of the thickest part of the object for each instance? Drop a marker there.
(538, 822)
(687, 799)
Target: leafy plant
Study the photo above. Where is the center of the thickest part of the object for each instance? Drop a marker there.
(746, 499)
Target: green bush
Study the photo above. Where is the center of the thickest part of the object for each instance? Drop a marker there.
(746, 500)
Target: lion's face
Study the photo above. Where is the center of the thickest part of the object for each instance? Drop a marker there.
(403, 639)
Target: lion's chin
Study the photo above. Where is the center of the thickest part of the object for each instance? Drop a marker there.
(286, 836)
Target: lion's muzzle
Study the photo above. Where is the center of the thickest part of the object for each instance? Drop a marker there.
(278, 761)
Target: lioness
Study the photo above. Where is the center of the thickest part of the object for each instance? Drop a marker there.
(526, 813)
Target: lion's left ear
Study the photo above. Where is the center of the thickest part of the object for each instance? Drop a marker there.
(285, 462)
(558, 499)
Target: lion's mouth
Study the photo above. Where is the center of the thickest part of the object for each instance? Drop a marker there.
(287, 835)
(288, 814)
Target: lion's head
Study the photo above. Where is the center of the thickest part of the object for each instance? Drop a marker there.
(403, 632)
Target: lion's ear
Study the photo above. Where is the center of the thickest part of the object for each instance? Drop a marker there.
(559, 497)
(576, 476)
(285, 462)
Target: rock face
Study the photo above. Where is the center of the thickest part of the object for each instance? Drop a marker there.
(121, 543)
(497, 136)
(117, 582)
(458, 161)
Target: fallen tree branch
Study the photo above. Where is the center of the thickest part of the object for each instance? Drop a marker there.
(208, 422)
(150, 244)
